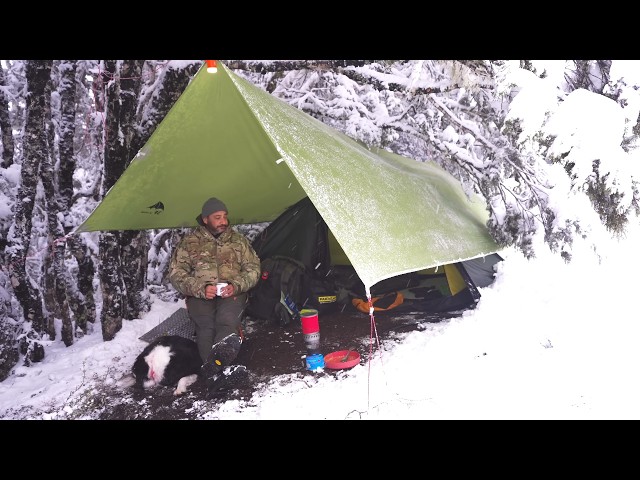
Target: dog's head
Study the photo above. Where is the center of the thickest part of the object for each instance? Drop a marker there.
(140, 371)
(150, 366)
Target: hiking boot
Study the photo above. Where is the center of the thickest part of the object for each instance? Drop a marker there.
(222, 354)
(233, 376)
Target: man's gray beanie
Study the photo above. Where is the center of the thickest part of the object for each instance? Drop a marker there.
(210, 206)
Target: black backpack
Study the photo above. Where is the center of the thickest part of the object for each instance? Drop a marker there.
(283, 279)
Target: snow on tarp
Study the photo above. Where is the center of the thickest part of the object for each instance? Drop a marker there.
(390, 214)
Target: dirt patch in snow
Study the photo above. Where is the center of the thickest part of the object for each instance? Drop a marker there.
(269, 350)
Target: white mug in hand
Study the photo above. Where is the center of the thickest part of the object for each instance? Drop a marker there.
(219, 287)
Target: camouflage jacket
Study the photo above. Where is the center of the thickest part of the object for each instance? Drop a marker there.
(200, 259)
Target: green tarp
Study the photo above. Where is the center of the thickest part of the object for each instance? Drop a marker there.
(226, 137)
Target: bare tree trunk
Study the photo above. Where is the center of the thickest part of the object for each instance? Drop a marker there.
(111, 281)
(73, 303)
(67, 91)
(82, 302)
(113, 289)
(88, 146)
(130, 81)
(122, 96)
(134, 245)
(9, 327)
(134, 251)
(5, 126)
(122, 100)
(36, 149)
(64, 193)
(56, 277)
(10, 319)
(49, 291)
(47, 174)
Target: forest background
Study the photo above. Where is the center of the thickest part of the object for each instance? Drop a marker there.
(69, 129)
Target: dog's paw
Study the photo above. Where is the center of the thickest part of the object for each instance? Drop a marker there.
(126, 382)
(149, 383)
(184, 383)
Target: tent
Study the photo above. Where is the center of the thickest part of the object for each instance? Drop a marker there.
(301, 233)
(228, 138)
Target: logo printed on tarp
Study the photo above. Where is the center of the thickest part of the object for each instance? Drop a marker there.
(154, 209)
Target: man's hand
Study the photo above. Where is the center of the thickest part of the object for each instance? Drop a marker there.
(227, 291)
(209, 291)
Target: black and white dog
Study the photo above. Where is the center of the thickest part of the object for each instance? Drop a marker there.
(170, 360)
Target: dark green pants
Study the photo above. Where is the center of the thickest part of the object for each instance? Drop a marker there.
(215, 319)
